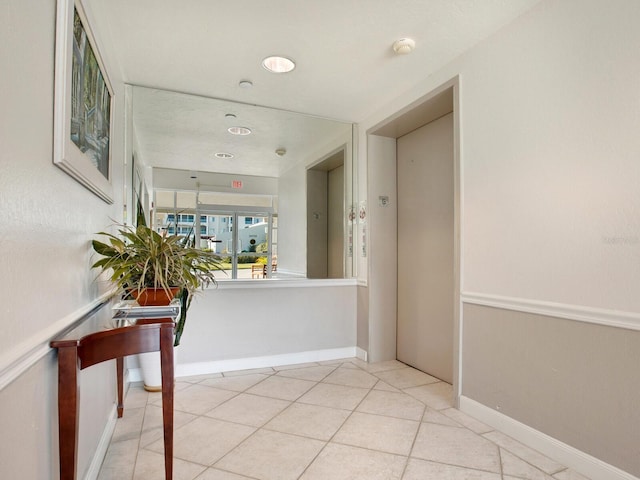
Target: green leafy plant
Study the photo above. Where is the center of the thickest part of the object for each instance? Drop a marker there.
(140, 258)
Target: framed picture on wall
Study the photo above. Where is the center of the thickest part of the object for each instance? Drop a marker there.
(83, 103)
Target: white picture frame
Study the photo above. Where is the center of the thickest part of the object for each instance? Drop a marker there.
(82, 135)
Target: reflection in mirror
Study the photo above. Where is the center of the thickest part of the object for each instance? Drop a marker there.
(325, 218)
(225, 190)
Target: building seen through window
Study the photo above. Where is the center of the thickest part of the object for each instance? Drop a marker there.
(249, 253)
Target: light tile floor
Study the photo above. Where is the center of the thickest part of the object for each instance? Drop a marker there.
(339, 420)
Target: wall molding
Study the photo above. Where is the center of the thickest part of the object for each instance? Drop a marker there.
(578, 313)
(26, 354)
(218, 366)
(567, 455)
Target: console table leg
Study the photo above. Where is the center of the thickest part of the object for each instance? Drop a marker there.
(68, 394)
(166, 368)
(120, 374)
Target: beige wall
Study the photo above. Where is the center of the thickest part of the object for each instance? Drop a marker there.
(363, 318)
(381, 247)
(574, 381)
(335, 223)
(317, 214)
(48, 221)
(550, 200)
(325, 223)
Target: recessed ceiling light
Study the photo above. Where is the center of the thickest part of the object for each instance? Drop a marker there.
(281, 152)
(224, 155)
(277, 64)
(229, 116)
(245, 84)
(239, 130)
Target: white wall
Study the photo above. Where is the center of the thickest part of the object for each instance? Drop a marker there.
(560, 143)
(240, 320)
(48, 220)
(171, 179)
(549, 122)
(292, 221)
(549, 115)
(382, 245)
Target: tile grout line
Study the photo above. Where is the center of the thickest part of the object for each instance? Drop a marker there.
(257, 429)
(245, 392)
(139, 432)
(144, 415)
(354, 410)
(353, 365)
(404, 391)
(413, 443)
(420, 421)
(336, 367)
(519, 457)
(343, 423)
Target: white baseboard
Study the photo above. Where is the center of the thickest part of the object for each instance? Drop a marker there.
(103, 446)
(567, 455)
(217, 366)
(361, 354)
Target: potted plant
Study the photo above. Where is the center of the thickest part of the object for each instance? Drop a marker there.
(145, 264)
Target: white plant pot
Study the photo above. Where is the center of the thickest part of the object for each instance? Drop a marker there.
(150, 368)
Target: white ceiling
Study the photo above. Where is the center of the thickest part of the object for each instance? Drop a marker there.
(345, 68)
(186, 131)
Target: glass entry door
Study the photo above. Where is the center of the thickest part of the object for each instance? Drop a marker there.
(242, 240)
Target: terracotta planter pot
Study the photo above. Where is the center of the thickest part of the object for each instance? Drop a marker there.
(154, 296)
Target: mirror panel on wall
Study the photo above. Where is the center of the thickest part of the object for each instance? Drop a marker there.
(202, 169)
(326, 220)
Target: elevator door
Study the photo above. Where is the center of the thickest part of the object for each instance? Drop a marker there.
(325, 219)
(426, 248)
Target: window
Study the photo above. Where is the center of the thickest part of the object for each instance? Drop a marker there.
(246, 252)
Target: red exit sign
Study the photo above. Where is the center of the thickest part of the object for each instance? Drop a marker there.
(236, 184)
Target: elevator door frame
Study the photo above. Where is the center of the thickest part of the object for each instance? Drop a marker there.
(394, 126)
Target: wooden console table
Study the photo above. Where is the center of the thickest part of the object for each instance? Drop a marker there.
(146, 335)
